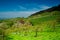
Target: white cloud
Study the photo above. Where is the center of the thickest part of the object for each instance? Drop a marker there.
(44, 7)
(22, 7)
(35, 9)
(12, 14)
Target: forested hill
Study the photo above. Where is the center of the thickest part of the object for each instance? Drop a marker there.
(55, 8)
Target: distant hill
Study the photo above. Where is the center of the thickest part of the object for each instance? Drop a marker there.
(55, 8)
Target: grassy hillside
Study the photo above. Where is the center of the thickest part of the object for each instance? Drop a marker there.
(43, 25)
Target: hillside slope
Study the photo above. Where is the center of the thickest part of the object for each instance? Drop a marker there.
(49, 18)
(55, 8)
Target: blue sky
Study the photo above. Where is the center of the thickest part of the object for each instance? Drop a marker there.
(24, 8)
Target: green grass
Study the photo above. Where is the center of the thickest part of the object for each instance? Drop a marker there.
(40, 36)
